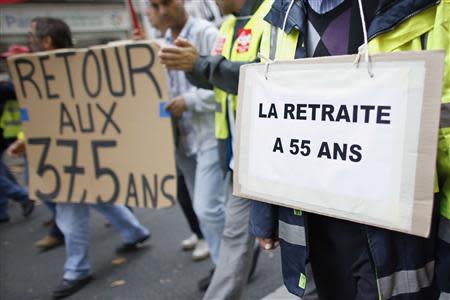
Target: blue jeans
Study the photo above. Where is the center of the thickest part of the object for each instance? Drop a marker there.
(54, 230)
(207, 181)
(73, 220)
(9, 189)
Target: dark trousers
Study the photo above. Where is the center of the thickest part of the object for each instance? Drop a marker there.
(186, 205)
(340, 259)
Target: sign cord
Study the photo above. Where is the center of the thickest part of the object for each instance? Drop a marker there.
(364, 49)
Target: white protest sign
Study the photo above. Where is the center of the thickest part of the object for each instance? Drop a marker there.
(323, 136)
(95, 125)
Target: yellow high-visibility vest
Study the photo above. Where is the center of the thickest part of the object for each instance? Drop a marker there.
(244, 49)
(10, 119)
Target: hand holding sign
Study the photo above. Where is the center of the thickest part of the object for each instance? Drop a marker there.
(182, 57)
(177, 106)
(16, 149)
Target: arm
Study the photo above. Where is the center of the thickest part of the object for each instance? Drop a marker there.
(264, 223)
(204, 71)
(217, 71)
(199, 99)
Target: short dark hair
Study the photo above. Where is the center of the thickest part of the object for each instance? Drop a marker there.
(56, 29)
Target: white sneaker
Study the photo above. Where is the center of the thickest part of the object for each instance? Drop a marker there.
(201, 250)
(190, 242)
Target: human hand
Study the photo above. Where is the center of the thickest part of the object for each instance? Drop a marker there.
(16, 149)
(182, 57)
(177, 106)
(138, 35)
(267, 244)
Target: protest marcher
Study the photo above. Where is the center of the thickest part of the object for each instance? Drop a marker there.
(195, 241)
(341, 259)
(73, 219)
(55, 237)
(192, 110)
(237, 44)
(9, 128)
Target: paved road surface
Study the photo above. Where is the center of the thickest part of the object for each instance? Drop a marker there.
(158, 271)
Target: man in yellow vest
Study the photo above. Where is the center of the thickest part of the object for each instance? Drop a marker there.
(350, 260)
(237, 44)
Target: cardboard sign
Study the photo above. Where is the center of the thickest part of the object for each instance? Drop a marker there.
(323, 136)
(92, 122)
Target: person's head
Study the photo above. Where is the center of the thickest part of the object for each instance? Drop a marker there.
(171, 12)
(155, 19)
(49, 34)
(230, 6)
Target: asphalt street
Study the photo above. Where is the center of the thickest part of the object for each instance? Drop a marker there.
(160, 270)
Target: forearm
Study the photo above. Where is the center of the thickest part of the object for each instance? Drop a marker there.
(263, 220)
(216, 71)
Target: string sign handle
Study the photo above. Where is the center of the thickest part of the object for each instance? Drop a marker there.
(364, 49)
(266, 65)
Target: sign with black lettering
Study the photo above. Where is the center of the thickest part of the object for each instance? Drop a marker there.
(94, 125)
(323, 136)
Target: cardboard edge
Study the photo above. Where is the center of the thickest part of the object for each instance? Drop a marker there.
(237, 140)
(432, 90)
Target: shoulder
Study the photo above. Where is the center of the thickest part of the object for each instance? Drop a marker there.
(203, 27)
(204, 35)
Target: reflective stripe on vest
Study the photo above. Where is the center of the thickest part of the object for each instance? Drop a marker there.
(445, 115)
(293, 234)
(444, 229)
(405, 282)
(444, 296)
(244, 49)
(277, 45)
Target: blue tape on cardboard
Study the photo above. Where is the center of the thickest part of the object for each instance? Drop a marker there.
(24, 117)
(162, 112)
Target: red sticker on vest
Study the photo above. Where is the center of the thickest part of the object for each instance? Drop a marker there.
(218, 45)
(243, 40)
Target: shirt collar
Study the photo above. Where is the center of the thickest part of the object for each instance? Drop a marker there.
(297, 14)
(184, 33)
(296, 18)
(323, 6)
